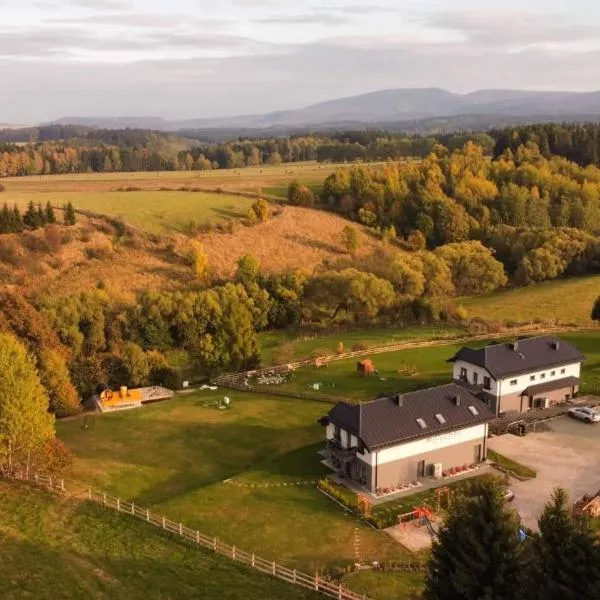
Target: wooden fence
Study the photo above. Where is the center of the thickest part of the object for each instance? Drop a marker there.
(238, 381)
(272, 568)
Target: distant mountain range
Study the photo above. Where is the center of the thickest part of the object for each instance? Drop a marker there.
(389, 107)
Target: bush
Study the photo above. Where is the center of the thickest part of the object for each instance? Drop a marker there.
(360, 347)
(35, 244)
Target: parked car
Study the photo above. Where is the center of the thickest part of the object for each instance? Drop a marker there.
(589, 414)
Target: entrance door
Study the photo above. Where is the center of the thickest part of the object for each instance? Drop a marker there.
(421, 468)
(477, 453)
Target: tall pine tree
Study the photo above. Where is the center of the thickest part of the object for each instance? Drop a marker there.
(70, 217)
(565, 555)
(17, 222)
(477, 554)
(31, 218)
(50, 216)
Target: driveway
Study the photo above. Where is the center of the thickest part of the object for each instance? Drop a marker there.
(564, 452)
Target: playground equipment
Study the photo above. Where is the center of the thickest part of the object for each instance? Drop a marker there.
(440, 493)
(364, 505)
(421, 516)
(126, 399)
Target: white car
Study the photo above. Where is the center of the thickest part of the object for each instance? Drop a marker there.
(589, 414)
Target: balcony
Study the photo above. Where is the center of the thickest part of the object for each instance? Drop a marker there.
(335, 450)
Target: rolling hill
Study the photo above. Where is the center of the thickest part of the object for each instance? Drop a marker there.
(390, 106)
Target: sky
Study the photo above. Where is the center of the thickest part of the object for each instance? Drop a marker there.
(196, 59)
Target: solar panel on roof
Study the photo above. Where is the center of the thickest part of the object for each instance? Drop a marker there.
(422, 423)
(473, 411)
(440, 418)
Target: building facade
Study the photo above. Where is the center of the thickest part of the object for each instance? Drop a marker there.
(516, 377)
(392, 442)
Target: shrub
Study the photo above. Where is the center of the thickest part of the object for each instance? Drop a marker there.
(35, 244)
(360, 347)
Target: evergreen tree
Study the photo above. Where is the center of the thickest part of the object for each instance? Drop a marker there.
(50, 216)
(476, 556)
(17, 222)
(31, 217)
(41, 216)
(70, 217)
(565, 562)
(5, 220)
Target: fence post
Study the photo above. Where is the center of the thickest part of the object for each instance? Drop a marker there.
(180, 529)
(233, 552)
(317, 581)
(118, 504)
(62, 485)
(253, 560)
(274, 568)
(36, 479)
(89, 493)
(103, 499)
(147, 515)
(215, 544)
(50, 482)
(197, 537)
(133, 509)
(294, 578)
(340, 590)
(164, 523)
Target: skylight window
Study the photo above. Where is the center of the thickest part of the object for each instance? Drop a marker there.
(440, 418)
(421, 423)
(473, 411)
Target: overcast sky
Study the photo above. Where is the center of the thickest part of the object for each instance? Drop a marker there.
(197, 58)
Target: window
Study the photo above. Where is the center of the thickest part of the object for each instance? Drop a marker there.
(563, 371)
(422, 423)
(336, 432)
(361, 447)
(532, 378)
(475, 378)
(440, 418)
(463, 373)
(487, 383)
(552, 373)
(473, 411)
(513, 381)
(543, 376)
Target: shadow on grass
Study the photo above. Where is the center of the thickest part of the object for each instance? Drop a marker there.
(311, 243)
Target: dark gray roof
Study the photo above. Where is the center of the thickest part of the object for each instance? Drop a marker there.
(548, 386)
(384, 423)
(530, 354)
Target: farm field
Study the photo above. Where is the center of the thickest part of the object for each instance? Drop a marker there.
(233, 474)
(268, 179)
(565, 300)
(427, 365)
(152, 211)
(54, 548)
(281, 346)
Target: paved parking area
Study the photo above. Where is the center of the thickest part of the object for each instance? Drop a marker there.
(564, 452)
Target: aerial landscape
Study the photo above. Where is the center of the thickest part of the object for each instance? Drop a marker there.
(299, 300)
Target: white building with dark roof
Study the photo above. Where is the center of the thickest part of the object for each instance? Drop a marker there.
(391, 442)
(530, 373)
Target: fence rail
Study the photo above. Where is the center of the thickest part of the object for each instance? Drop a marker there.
(268, 567)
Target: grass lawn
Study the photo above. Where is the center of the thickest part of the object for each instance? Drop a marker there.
(512, 465)
(282, 346)
(152, 211)
(52, 548)
(174, 458)
(339, 378)
(565, 300)
(388, 586)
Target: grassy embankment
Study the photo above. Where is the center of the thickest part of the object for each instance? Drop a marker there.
(511, 466)
(52, 548)
(565, 301)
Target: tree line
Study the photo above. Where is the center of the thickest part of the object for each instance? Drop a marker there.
(107, 151)
(35, 217)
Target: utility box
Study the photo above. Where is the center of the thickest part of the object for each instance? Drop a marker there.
(437, 470)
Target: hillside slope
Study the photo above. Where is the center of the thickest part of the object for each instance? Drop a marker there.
(52, 548)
